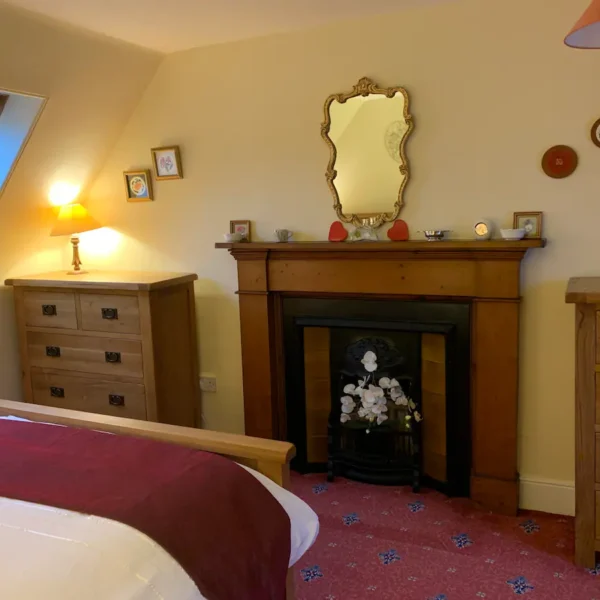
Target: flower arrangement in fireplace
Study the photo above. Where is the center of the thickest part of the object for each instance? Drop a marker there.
(369, 402)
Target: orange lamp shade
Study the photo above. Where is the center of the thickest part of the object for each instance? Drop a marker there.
(586, 32)
(72, 219)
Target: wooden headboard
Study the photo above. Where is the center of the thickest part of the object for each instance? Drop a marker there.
(269, 457)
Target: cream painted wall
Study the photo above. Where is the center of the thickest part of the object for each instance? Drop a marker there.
(92, 84)
(491, 86)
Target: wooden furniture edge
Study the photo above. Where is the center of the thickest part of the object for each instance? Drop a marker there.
(381, 246)
(583, 290)
(81, 284)
(269, 457)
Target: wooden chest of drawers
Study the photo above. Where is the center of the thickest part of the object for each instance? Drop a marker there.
(115, 343)
(585, 293)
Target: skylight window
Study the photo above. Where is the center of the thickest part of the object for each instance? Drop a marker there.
(18, 114)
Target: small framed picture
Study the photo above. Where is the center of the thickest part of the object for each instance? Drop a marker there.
(241, 227)
(138, 185)
(531, 222)
(167, 162)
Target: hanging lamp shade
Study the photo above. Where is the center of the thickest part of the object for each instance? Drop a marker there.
(586, 32)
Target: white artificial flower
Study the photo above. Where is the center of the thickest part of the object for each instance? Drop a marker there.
(369, 357)
(368, 398)
(347, 400)
(370, 367)
(398, 396)
(381, 419)
(344, 418)
(376, 409)
(377, 391)
(347, 408)
(362, 412)
(349, 389)
(394, 383)
(418, 417)
(359, 391)
(384, 383)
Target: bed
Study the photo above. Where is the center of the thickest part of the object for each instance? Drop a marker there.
(97, 556)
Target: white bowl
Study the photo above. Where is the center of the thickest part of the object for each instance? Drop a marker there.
(232, 238)
(512, 234)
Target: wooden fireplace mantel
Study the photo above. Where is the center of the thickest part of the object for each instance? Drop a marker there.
(486, 274)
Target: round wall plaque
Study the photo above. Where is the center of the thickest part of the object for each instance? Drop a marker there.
(559, 162)
(596, 133)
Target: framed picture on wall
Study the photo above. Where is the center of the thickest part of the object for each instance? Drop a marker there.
(138, 185)
(167, 162)
(531, 222)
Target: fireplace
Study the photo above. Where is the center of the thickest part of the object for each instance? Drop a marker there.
(481, 277)
(423, 344)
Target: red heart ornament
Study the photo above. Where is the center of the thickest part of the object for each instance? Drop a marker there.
(398, 232)
(337, 232)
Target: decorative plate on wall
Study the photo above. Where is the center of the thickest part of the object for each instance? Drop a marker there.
(559, 162)
(596, 133)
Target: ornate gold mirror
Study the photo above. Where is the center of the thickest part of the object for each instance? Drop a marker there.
(366, 131)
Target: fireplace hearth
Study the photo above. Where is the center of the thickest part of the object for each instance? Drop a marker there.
(484, 276)
(316, 373)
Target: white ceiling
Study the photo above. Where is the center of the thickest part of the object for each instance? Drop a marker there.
(171, 25)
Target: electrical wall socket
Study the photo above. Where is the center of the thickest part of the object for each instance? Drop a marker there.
(208, 383)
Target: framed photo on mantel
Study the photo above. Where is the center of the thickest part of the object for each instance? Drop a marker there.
(531, 222)
(241, 227)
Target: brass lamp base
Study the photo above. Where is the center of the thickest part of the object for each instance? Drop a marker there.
(77, 270)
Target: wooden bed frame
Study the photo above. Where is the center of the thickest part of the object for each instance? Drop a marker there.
(269, 457)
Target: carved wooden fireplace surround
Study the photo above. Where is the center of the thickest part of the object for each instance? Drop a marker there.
(483, 273)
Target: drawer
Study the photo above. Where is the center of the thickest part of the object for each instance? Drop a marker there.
(90, 395)
(50, 309)
(86, 354)
(109, 312)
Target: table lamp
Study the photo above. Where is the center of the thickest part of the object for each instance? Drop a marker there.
(72, 220)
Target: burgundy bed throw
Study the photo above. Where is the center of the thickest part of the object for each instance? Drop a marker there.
(221, 525)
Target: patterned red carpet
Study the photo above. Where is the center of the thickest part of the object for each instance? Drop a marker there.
(386, 543)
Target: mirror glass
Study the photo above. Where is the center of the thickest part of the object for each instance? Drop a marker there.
(366, 131)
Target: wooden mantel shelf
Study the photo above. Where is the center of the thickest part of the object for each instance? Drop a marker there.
(486, 275)
(384, 246)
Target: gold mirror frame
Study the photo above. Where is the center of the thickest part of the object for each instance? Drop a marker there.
(364, 87)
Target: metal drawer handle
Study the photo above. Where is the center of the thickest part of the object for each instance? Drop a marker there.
(57, 392)
(116, 400)
(53, 351)
(49, 310)
(112, 357)
(111, 314)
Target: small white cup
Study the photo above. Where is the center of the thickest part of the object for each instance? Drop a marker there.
(283, 235)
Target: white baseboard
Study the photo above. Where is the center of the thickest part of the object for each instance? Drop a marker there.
(547, 495)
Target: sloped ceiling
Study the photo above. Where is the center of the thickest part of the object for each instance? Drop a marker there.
(182, 24)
